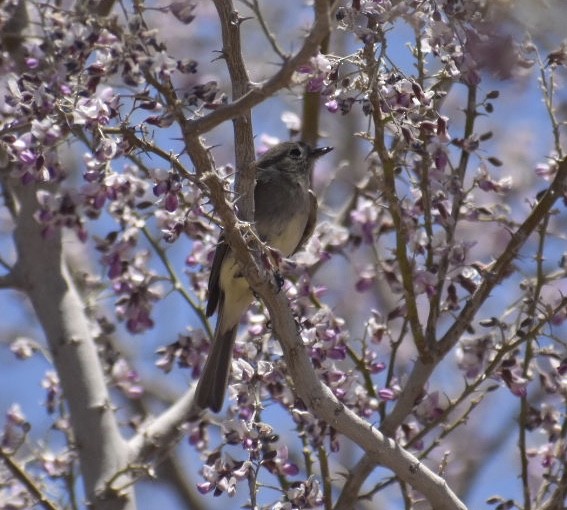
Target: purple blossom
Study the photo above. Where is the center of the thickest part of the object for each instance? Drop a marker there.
(546, 170)
(163, 65)
(486, 183)
(397, 96)
(97, 109)
(515, 381)
(407, 433)
(133, 282)
(169, 185)
(318, 70)
(365, 220)
(53, 390)
(305, 494)
(60, 465)
(126, 379)
(277, 462)
(46, 131)
(332, 105)
(473, 354)
(15, 429)
(223, 475)
(189, 351)
(429, 410)
(366, 279)
(24, 348)
(375, 327)
(425, 282)
(386, 394)
(57, 211)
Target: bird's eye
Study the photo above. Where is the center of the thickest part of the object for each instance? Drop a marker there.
(295, 153)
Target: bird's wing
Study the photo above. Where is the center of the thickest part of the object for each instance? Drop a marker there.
(214, 287)
(311, 221)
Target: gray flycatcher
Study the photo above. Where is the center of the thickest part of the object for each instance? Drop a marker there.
(284, 218)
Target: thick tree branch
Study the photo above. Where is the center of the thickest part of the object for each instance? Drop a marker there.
(60, 311)
(159, 434)
(357, 475)
(42, 273)
(243, 137)
(320, 400)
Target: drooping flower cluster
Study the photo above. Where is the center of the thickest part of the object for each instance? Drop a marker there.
(62, 93)
(410, 230)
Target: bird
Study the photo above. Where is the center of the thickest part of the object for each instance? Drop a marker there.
(285, 215)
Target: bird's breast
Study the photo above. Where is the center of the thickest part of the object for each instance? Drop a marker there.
(281, 216)
(286, 238)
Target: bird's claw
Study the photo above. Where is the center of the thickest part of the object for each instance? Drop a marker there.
(279, 279)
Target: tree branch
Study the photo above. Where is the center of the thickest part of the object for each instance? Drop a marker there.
(320, 400)
(498, 269)
(20, 474)
(243, 137)
(309, 388)
(357, 475)
(10, 281)
(278, 81)
(60, 311)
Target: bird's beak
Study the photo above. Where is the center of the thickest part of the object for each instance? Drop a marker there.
(320, 151)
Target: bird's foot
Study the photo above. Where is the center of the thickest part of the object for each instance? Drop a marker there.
(279, 279)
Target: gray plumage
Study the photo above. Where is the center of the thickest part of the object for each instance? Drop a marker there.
(284, 217)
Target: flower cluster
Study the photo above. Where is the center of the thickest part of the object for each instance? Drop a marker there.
(258, 440)
(126, 379)
(52, 388)
(187, 351)
(305, 494)
(223, 474)
(15, 429)
(473, 354)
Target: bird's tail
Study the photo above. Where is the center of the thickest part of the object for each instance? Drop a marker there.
(214, 378)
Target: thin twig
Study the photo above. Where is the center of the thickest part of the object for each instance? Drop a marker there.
(254, 6)
(177, 285)
(26, 481)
